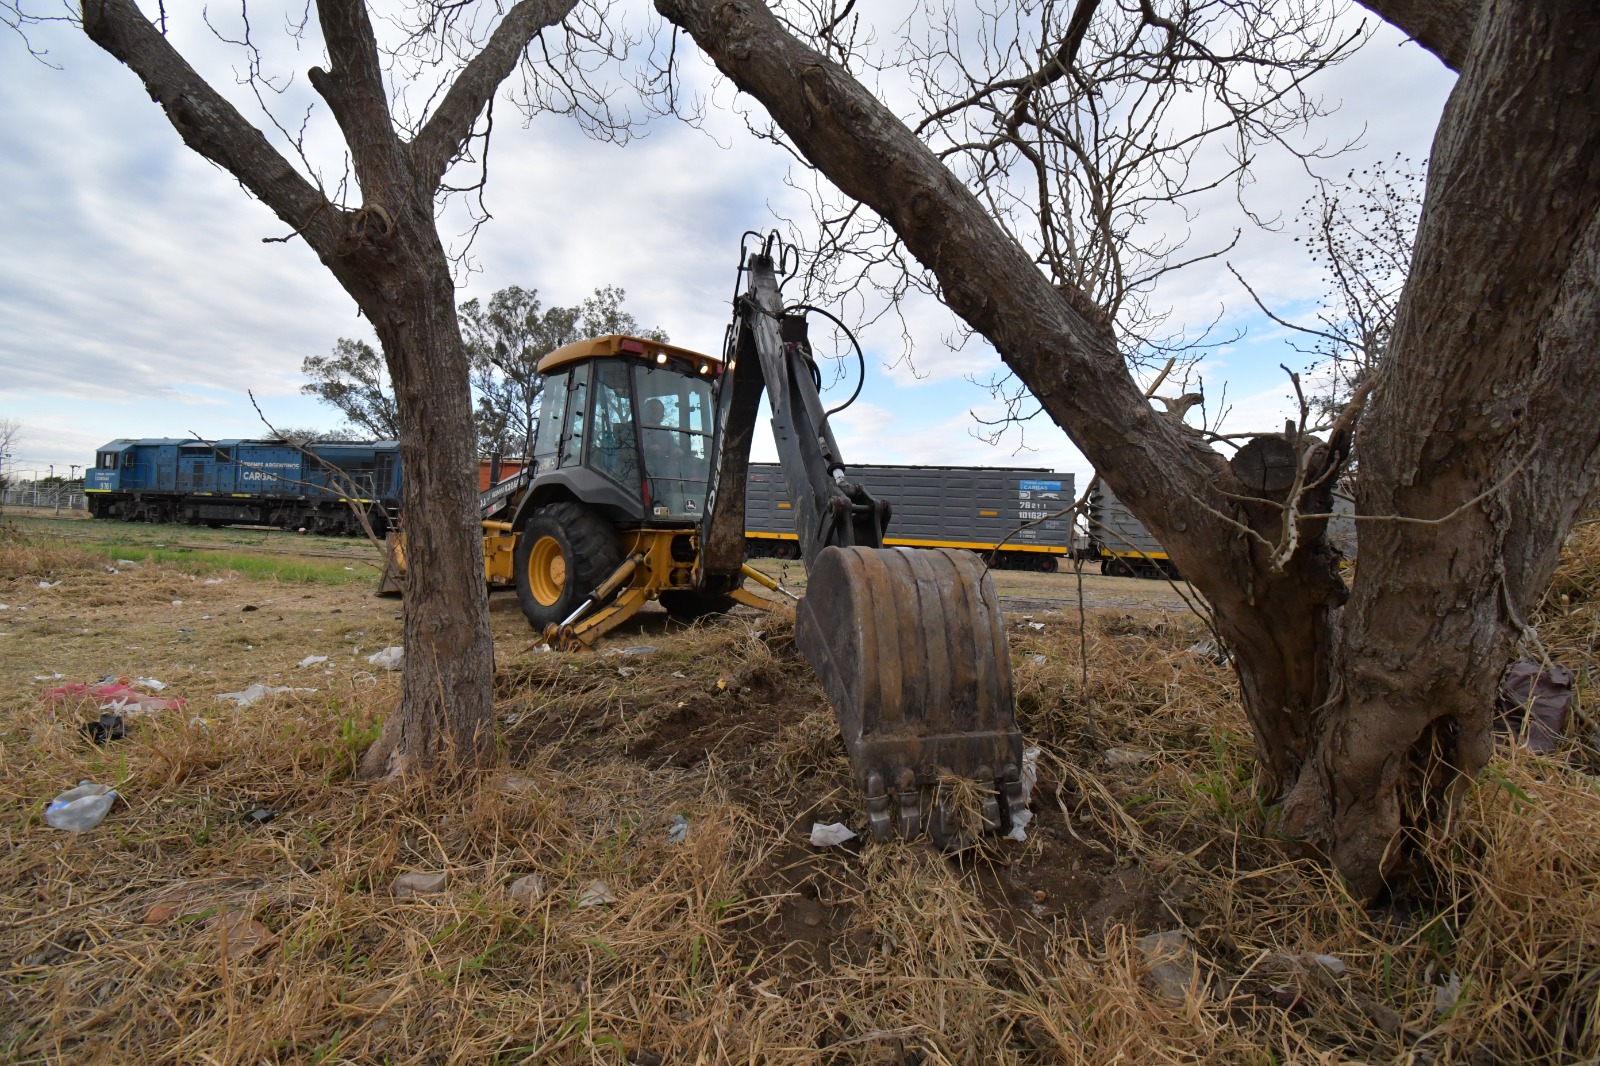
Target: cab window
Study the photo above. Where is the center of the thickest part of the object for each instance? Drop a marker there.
(547, 435)
(613, 448)
(674, 423)
(572, 430)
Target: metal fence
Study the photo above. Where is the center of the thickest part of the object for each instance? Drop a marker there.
(54, 499)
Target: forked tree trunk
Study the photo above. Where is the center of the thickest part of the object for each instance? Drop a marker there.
(388, 256)
(1492, 386)
(1373, 714)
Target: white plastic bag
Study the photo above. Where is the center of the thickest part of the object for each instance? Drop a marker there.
(80, 809)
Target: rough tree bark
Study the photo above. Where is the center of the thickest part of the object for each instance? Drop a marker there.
(387, 255)
(1477, 352)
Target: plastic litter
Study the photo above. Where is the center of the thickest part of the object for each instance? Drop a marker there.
(388, 658)
(1039, 660)
(256, 693)
(1036, 626)
(48, 584)
(311, 660)
(417, 884)
(596, 894)
(1030, 772)
(527, 888)
(1534, 703)
(827, 834)
(78, 810)
(177, 603)
(109, 727)
(150, 683)
(261, 816)
(117, 695)
(1209, 649)
(678, 829)
(1019, 825)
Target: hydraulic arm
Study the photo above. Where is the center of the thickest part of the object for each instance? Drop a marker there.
(908, 642)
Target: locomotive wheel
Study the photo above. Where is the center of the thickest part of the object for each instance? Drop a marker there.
(562, 555)
(686, 605)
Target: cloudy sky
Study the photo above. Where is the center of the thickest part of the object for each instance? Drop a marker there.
(137, 297)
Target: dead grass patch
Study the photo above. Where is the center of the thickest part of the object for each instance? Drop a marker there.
(135, 942)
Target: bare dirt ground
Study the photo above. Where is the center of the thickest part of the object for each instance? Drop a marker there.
(186, 927)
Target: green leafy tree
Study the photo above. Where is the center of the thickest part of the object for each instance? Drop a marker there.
(354, 381)
(505, 339)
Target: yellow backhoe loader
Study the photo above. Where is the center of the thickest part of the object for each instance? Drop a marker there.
(636, 491)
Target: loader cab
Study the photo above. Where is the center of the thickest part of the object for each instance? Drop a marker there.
(625, 426)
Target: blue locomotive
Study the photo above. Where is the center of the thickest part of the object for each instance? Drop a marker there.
(247, 482)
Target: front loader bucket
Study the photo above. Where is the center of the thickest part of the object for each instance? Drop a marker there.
(911, 650)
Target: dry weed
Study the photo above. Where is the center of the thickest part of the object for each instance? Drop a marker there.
(134, 942)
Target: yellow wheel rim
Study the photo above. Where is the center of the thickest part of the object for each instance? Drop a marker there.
(547, 571)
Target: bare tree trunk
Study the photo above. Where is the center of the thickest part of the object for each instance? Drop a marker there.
(388, 256)
(1490, 327)
(1491, 379)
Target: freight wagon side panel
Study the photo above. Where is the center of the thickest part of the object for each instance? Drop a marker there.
(940, 506)
(1114, 529)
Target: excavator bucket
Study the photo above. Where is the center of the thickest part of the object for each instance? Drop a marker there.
(911, 650)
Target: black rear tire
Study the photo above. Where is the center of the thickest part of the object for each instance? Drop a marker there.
(687, 606)
(563, 553)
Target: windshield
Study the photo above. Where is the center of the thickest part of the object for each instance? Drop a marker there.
(674, 437)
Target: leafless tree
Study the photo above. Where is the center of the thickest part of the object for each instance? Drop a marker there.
(415, 113)
(1371, 707)
(1359, 231)
(10, 433)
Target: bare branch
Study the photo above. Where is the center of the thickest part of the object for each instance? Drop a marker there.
(1443, 27)
(208, 123)
(445, 133)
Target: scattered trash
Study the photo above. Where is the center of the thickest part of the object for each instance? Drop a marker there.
(1039, 660)
(417, 884)
(722, 683)
(1123, 758)
(261, 816)
(1210, 649)
(1332, 963)
(388, 658)
(177, 603)
(116, 695)
(109, 727)
(596, 894)
(627, 671)
(48, 584)
(680, 674)
(129, 563)
(1447, 994)
(256, 693)
(77, 810)
(830, 833)
(1037, 626)
(1170, 963)
(1534, 703)
(1019, 825)
(150, 683)
(527, 889)
(1030, 772)
(678, 829)
(212, 581)
(311, 660)
(201, 724)
(53, 676)
(515, 783)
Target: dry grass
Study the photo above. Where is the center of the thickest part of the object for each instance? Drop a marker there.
(742, 944)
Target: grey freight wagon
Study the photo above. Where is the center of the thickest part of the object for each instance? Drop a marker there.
(1127, 549)
(974, 507)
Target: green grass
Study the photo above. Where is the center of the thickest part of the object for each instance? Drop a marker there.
(286, 569)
